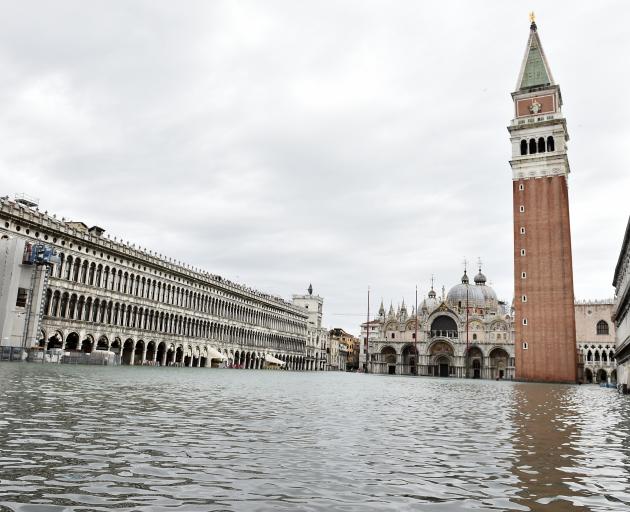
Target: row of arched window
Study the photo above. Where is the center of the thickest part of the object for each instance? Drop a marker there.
(118, 280)
(540, 145)
(78, 307)
(597, 356)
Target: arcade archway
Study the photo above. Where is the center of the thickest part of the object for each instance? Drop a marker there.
(388, 356)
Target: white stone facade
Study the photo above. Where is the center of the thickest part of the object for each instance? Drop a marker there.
(621, 282)
(111, 296)
(468, 333)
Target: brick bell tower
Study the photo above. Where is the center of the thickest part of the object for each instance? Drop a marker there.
(543, 270)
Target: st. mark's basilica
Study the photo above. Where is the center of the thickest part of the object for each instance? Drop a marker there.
(467, 332)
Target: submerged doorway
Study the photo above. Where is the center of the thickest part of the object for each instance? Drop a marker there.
(443, 366)
(392, 369)
(476, 369)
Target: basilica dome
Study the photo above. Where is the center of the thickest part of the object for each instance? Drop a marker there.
(464, 293)
(431, 303)
(480, 278)
(489, 295)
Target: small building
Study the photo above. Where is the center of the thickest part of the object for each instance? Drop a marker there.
(344, 347)
(621, 282)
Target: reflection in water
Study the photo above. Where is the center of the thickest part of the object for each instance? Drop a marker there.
(546, 430)
(571, 447)
(153, 439)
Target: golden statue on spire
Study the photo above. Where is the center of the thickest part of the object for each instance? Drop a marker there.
(532, 17)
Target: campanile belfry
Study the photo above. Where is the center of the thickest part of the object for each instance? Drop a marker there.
(543, 270)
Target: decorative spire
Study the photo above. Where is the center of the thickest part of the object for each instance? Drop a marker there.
(432, 291)
(310, 289)
(381, 310)
(535, 71)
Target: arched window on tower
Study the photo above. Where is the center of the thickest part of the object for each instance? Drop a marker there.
(532, 146)
(523, 147)
(602, 327)
(550, 144)
(541, 145)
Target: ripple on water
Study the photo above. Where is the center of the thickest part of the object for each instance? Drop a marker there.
(150, 439)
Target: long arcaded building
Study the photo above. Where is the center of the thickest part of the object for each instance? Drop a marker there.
(100, 294)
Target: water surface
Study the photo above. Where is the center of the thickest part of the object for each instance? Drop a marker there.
(79, 438)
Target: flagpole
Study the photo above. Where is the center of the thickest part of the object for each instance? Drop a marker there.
(467, 333)
(367, 334)
(416, 335)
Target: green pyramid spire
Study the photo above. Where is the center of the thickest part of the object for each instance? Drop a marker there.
(535, 69)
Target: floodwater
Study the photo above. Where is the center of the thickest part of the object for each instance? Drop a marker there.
(79, 438)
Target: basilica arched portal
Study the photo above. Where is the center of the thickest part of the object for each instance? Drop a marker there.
(474, 362)
(441, 357)
(388, 357)
(410, 360)
(498, 363)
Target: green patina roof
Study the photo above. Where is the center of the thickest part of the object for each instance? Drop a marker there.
(535, 71)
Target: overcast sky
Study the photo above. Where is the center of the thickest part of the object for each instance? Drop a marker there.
(345, 144)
